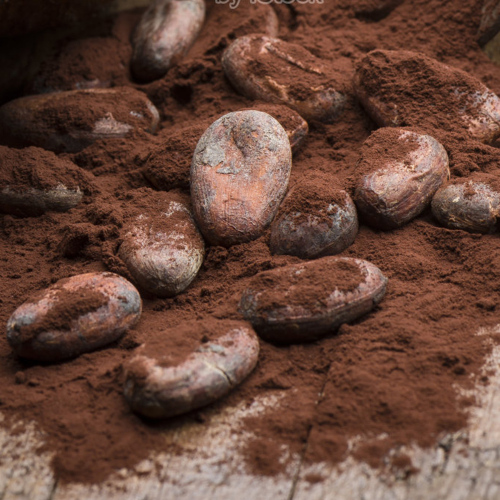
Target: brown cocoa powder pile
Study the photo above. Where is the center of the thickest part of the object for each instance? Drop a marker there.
(392, 372)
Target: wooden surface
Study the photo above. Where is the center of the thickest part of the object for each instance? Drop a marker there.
(462, 466)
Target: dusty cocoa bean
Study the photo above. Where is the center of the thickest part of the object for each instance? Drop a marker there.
(164, 35)
(74, 316)
(70, 121)
(399, 88)
(468, 205)
(490, 21)
(311, 224)
(34, 181)
(295, 126)
(404, 170)
(304, 302)
(239, 175)
(157, 388)
(262, 68)
(163, 253)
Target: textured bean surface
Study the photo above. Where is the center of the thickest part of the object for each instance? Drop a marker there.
(275, 71)
(471, 206)
(74, 316)
(317, 225)
(72, 120)
(164, 35)
(304, 302)
(164, 253)
(399, 88)
(399, 185)
(157, 388)
(239, 175)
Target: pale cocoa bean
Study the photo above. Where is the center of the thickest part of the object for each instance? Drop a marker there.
(239, 175)
(70, 121)
(275, 71)
(490, 21)
(468, 205)
(399, 88)
(163, 253)
(164, 35)
(157, 388)
(311, 224)
(399, 185)
(74, 316)
(304, 302)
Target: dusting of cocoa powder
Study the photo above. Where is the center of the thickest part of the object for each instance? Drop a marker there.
(392, 372)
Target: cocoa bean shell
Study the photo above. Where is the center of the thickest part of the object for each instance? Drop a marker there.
(72, 120)
(470, 206)
(312, 234)
(164, 35)
(394, 194)
(208, 374)
(312, 92)
(164, 261)
(278, 320)
(45, 328)
(239, 175)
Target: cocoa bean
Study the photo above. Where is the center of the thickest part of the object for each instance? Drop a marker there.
(70, 121)
(34, 181)
(156, 388)
(164, 35)
(311, 224)
(405, 169)
(163, 254)
(468, 205)
(239, 175)
(304, 302)
(74, 316)
(261, 67)
(399, 88)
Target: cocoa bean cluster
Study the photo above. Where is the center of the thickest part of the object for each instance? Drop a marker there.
(239, 191)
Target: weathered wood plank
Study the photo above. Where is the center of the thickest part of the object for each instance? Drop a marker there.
(465, 465)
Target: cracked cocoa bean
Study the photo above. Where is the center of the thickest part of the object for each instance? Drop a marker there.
(239, 175)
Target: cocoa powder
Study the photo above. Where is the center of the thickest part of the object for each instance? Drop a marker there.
(392, 372)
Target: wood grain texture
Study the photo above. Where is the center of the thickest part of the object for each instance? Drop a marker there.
(462, 466)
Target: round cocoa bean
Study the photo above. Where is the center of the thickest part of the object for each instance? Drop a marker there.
(275, 71)
(399, 88)
(405, 169)
(156, 388)
(313, 224)
(239, 175)
(70, 121)
(165, 33)
(74, 316)
(471, 206)
(163, 254)
(304, 302)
